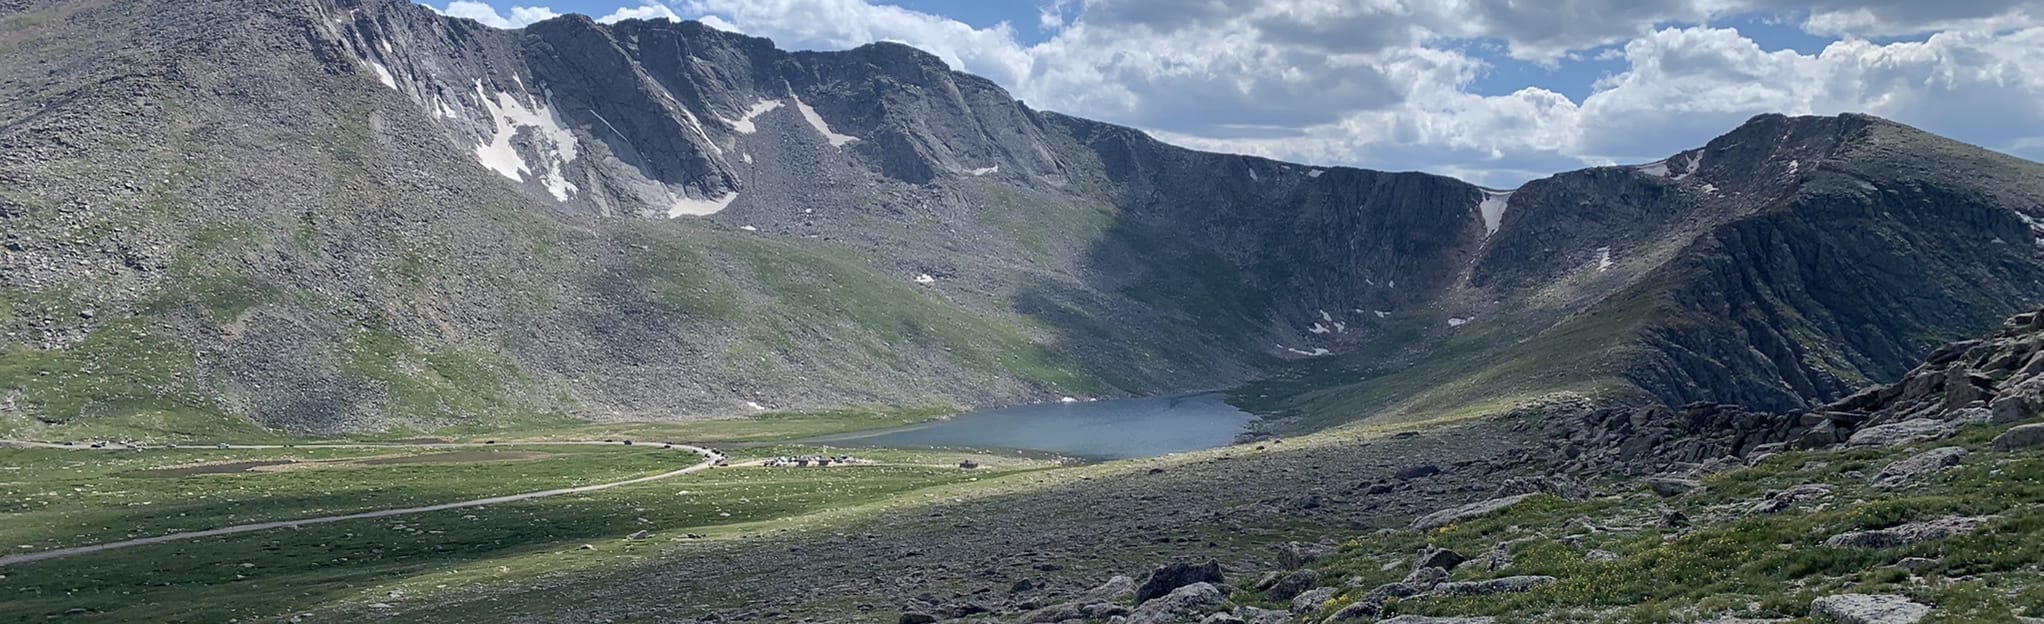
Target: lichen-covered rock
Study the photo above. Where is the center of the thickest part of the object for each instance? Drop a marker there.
(1174, 575)
(1182, 603)
(2021, 437)
(1916, 467)
(1506, 585)
(1867, 609)
(1907, 534)
(1311, 600)
(1292, 585)
(1467, 512)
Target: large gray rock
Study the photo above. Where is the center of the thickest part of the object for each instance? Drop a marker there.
(1115, 589)
(2014, 407)
(1295, 555)
(1666, 487)
(1867, 609)
(1788, 498)
(2021, 437)
(1174, 575)
(1182, 603)
(1438, 558)
(1292, 585)
(1916, 467)
(1506, 585)
(1312, 599)
(1468, 512)
(1907, 534)
(1361, 610)
(1897, 434)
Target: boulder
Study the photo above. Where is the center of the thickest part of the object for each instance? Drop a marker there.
(1600, 556)
(1907, 534)
(1174, 575)
(1506, 585)
(1438, 558)
(1900, 433)
(1115, 589)
(1361, 610)
(1468, 512)
(1312, 599)
(1867, 609)
(1426, 578)
(1292, 585)
(1916, 564)
(1916, 467)
(1183, 602)
(1671, 518)
(916, 618)
(2020, 437)
(2013, 408)
(1667, 487)
(1222, 618)
(1789, 498)
(1295, 555)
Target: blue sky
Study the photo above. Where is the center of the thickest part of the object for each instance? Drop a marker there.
(1494, 92)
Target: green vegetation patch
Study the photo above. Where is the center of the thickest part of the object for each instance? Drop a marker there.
(1730, 559)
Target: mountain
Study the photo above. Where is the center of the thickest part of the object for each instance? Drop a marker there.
(347, 215)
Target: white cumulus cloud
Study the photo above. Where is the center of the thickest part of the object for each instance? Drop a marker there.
(1398, 84)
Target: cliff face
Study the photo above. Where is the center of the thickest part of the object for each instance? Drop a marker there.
(348, 214)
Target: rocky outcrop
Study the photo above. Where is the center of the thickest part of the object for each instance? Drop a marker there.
(1174, 575)
(1868, 609)
(1916, 467)
(2020, 438)
(1907, 534)
(1468, 512)
(1186, 602)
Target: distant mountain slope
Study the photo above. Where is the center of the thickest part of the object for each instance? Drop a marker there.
(334, 215)
(1787, 263)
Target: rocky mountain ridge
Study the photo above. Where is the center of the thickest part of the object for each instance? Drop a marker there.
(345, 215)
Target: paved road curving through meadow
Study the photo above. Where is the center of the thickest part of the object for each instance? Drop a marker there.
(710, 459)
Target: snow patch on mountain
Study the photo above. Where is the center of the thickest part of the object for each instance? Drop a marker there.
(1603, 259)
(684, 206)
(1492, 207)
(555, 144)
(984, 170)
(383, 74)
(1316, 352)
(816, 121)
(744, 125)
